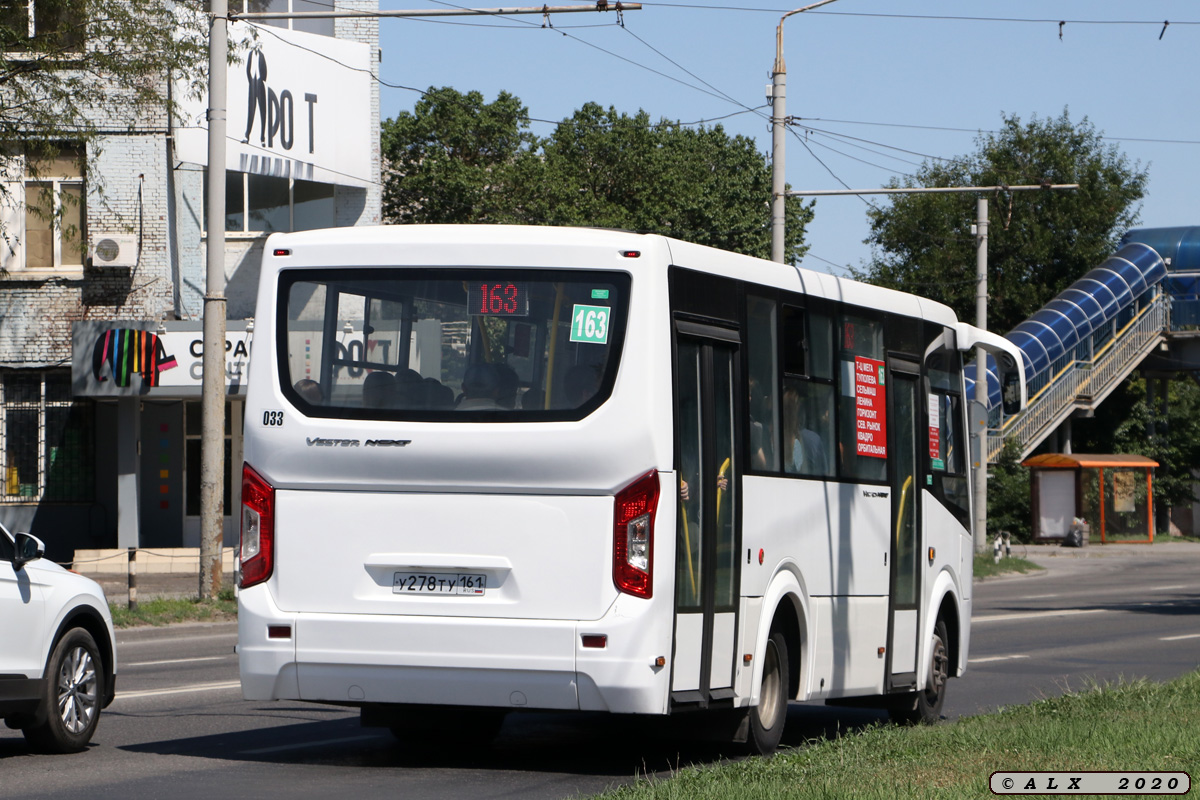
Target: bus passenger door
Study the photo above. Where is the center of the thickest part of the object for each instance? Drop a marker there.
(706, 548)
(905, 480)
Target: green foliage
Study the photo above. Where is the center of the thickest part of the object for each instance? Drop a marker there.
(1038, 241)
(91, 61)
(456, 158)
(1107, 727)
(986, 565)
(89, 55)
(166, 610)
(1008, 495)
(1126, 423)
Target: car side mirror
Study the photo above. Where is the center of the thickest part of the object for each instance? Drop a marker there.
(28, 548)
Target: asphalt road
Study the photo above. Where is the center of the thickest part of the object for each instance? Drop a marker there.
(179, 728)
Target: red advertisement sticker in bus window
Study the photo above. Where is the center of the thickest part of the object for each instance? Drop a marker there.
(935, 432)
(870, 408)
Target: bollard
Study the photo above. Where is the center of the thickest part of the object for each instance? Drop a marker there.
(133, 602)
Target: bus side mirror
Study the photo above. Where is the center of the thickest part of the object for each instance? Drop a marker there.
(1010, 392)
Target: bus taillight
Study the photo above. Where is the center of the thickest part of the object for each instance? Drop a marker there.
(258, 528)
(633, 536)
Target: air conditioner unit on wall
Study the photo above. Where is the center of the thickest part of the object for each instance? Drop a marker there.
(114, 250)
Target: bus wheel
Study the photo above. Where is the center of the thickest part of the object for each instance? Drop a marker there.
(768, 717)
(925, 706)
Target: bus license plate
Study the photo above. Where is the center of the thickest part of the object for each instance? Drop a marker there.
(427, 583)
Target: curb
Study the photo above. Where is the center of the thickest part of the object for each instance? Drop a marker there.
(144, 633)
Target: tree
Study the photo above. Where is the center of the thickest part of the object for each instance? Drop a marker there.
(598, 168)
(72, 59)
(1008, 495)
(1038, 242)
(1128, 423)
(456, 158)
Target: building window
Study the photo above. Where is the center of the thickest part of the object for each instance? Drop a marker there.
(44, 212)
(193, 423)
(256, 204)
(46, 447)
(42, 25)
(320, 26)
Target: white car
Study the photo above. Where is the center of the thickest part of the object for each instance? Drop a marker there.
(57, 649)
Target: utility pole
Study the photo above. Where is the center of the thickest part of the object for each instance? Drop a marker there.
(981, 392)
(212, 433)
(981, 236)
(778, 132)
(212, 392)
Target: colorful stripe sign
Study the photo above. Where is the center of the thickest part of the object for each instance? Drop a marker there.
(126, 352)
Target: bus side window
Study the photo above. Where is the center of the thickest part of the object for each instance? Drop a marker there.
(762, 365)
(808, 437)
(948, 460)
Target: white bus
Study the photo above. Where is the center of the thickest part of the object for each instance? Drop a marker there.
(496, 468)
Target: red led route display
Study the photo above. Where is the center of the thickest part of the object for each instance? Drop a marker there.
(503, 299)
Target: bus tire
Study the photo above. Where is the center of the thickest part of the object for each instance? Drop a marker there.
(924, 707)
(768, 717)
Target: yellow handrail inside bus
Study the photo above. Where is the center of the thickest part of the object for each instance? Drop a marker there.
(687, 543)
(720, 491)
(558, 298)
(484, 339)
(900, 516)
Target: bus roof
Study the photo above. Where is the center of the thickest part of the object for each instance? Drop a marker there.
(499, 245)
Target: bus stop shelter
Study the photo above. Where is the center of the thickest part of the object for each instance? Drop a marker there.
(1112, 494)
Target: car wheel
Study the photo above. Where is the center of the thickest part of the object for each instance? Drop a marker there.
(768, 717)
(925, 706)
(71, 700)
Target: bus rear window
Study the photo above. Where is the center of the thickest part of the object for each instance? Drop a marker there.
(445, 344)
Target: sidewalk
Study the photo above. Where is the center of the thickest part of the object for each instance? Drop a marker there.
(1164, 545)
(169, 584)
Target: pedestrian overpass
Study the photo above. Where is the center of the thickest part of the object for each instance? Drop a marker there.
(1140, 308)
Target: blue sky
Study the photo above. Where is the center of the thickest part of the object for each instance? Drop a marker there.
(887, 72)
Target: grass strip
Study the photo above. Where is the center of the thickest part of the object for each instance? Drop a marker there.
(1124, 726)
(986, 566)
(166, 610)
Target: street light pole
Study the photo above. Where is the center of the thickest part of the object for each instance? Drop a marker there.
(981, 387)
(778, 132)
(212, 397)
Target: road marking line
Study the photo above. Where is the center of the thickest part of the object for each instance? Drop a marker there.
(1066, 612)
(994, 658)
(1178, 638)
(179, 661)
(1041, 596)
(1169, 588)
(200, 687)
(302, 745)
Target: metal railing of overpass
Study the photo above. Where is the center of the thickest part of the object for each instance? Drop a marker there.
(1084, 343)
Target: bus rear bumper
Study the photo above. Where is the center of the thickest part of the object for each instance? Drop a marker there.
(464, 661)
